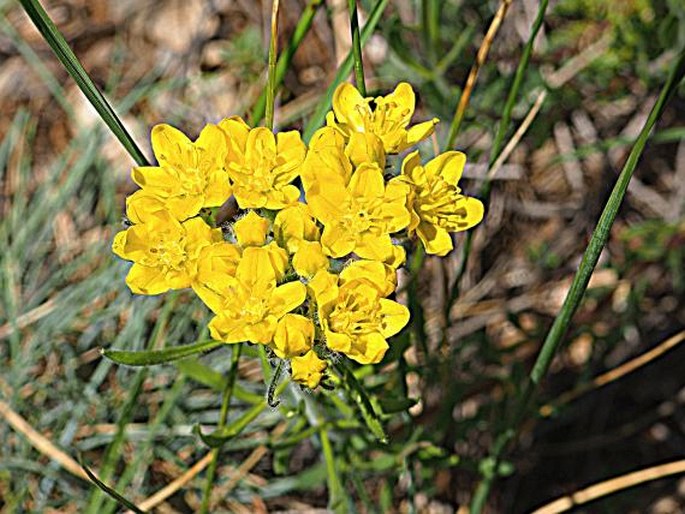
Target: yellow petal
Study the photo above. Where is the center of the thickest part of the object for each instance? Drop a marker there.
(400, 104)
(227, 330)
(421, 131)
(365, 147)
(142, 205)
(369, 349)
(294, 336)
(261, 332)
(350, 107)
(251, 230)
(410, 162)
(395, 317)
(287, 297)
(324, 288)
(261, 144)
(236, 131)
(337, 242)
(146, 280)
(382, 276)
(308, 369)
(374, 247)
(309, 259)
(291, 152)
(448, 165)
(256, 265)
(367, 182)
(162, 181)
(436, 240)
(171, 146)
(338, 342)
(327, 201)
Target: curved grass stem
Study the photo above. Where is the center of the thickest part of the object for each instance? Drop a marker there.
(271, 81)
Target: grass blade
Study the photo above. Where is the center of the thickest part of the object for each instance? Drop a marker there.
(301, 30)
(152, 357)
(356, 48)
(361, 398)
(69, 60)
(344, 70)
(112, 493)
(271, 79)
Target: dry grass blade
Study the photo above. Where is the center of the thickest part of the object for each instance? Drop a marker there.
(40, 442)
(481, 56)
(27, 319)
(616, 373)
(614, 485)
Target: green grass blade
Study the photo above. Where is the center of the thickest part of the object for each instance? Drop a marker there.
(271, 79)
(301, 30)
(224, 434)
(344, 70)
(580, 281)
(112, 493)
(356, 48)
(152, 357)
(69, 60)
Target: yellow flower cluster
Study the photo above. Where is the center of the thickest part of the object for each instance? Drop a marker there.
(309, 267)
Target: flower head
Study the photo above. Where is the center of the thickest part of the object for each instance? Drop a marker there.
(189, 176)
(358, 216)
(388, 120)
(164, 251)
(261, 165)
(355, 317)
(436, 204)
(249, 305)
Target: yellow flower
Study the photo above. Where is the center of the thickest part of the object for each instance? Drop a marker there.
(261, 165)
(309, 259)
(249, 305)
(388, 120)
(436, 204)
(165, 252)
(251, 230)
(190, 175)
(359, 216)
(308, 369)
(294, 336)
(354, 316)
(293, 225)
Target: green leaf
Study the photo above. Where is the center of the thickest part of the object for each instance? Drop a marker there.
(344, 70)
(221, 436)
(152, 357)
(69, 60)
(361, 398)
(396, 404)
(112, 493)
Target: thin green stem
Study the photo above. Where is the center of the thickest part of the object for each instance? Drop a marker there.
(336, 498)
(357, 47)
(69, 60)
(286, 57)
(580, 282)
(344, 70)
(271, 81)
(223, 416)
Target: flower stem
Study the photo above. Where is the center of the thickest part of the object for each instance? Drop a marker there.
(223, 415)
(271, 81)
(357, 48)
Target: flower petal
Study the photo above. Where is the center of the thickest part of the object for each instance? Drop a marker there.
(287, 297)
(350, 107)
(395, 317)
(448, 165)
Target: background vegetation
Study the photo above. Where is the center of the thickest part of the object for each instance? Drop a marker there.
(595, 70)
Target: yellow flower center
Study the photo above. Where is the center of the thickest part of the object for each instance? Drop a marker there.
(363, 214)
(381, 122)
(355, 314)
(167, 253)
(438, 203)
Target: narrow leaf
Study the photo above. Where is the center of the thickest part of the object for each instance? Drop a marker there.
(66, 56)
(112, 493)
(151, 357)
(361, 398)
(223, 435)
